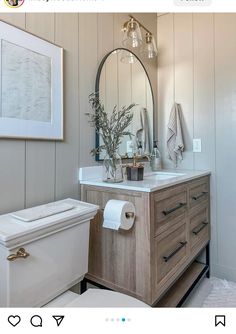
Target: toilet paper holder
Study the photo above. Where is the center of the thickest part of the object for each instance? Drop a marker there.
(127, 214)
(118, 215)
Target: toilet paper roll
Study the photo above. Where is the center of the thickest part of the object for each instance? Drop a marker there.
(119, 214)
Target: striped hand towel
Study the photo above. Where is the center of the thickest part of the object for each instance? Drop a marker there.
(175, 143)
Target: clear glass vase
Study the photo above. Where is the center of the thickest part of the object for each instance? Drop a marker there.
(112, 168)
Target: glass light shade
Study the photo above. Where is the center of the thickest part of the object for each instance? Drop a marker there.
(132, 35)
(127, 57)
(149, 50)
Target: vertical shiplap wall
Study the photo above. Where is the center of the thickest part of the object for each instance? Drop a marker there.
(197, 68)
(225, 114)
(40, 156)
(12, 153)
(35, 172)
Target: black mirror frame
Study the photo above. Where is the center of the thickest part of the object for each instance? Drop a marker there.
(97, 90)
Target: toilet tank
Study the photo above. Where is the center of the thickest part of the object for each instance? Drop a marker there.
(55, 250)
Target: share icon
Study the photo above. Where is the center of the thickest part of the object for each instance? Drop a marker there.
(58, 319)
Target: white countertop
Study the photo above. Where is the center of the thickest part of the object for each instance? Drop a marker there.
(149, 183)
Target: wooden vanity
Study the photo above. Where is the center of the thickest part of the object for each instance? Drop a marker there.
(155, 260)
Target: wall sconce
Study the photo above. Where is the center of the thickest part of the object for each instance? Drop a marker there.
(132, 34)
(133, 38)
(149, 50)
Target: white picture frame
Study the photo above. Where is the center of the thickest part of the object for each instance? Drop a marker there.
(31, 86)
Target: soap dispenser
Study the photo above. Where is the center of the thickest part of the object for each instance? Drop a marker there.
(155, 160)
(140, 148)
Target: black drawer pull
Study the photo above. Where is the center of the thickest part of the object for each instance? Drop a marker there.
(167, 212)
(199, 195)
(168, 257)
(198, 229)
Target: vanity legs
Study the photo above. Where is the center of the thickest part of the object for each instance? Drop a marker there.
(83, 286)
(208, 259)
(85, 282)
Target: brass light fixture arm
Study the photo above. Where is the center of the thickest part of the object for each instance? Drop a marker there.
(140, 24)
(130, 39)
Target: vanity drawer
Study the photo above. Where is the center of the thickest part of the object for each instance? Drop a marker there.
(169, 205)
(199, 229)
(198, 192)
(171, 251)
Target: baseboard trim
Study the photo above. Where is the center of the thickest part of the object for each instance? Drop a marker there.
(223, 272)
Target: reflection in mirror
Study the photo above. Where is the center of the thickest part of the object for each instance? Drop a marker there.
(122, 80)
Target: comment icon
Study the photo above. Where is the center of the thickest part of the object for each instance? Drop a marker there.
(36, 321)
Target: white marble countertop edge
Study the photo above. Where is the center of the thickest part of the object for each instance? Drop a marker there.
(145, 185)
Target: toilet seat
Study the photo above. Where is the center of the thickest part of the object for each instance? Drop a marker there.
(105, 298)
(96, 298)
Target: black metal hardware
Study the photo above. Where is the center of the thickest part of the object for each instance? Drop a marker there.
(198, 229)
(208, 259)
(203, 273)
(83, 286)
(86, 281)
(167, 212)
(168, 257)
(200, 195)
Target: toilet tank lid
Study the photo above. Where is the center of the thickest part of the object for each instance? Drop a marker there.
(14, 232)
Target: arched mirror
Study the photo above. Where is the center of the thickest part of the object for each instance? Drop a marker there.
(122, 80)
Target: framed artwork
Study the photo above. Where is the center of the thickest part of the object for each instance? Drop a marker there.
(31, 86)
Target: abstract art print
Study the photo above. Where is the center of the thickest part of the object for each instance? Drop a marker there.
(31, 86)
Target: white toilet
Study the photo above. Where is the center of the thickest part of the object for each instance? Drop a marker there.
(44, 252)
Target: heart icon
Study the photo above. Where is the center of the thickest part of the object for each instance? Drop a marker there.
(14, 320)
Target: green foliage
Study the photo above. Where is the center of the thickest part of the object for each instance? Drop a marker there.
(110, 129)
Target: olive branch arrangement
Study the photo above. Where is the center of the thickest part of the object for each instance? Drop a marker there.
(110, 129)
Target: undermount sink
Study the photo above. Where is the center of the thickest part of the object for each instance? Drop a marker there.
(162, 175)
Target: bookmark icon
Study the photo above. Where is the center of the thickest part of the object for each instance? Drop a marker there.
(220, 320)
(58, 319)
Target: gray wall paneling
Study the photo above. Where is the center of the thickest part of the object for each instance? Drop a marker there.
(87, 73)
(40, 155)
(67, 152)
(204, 106)
(225, 113)
(12, 152)
(200, 50)
(183, 90)
(166, 74)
